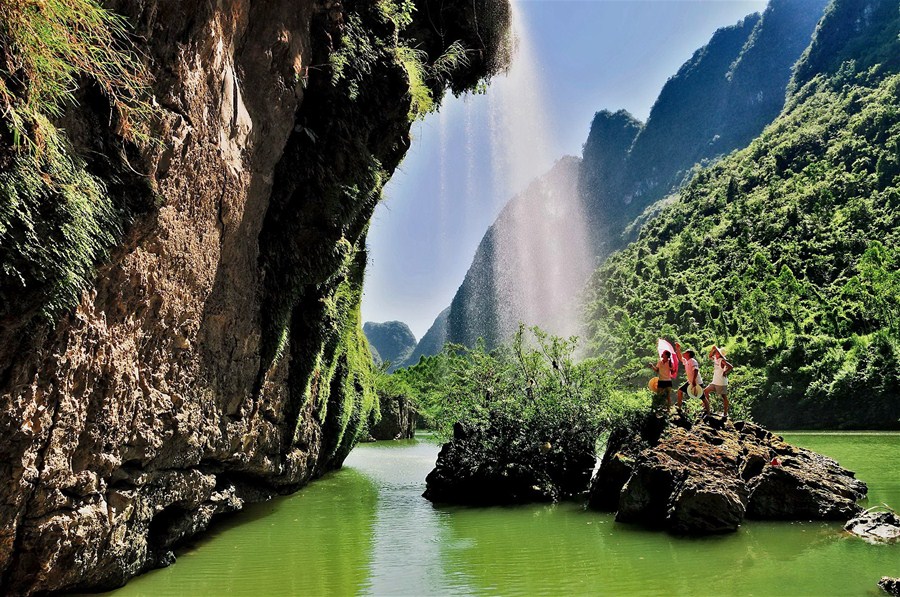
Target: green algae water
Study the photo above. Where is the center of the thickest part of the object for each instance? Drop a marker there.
(365, 530)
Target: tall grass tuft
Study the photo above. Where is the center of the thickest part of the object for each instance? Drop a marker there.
(47, 48)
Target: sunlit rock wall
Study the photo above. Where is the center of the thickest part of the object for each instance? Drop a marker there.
(216, 357)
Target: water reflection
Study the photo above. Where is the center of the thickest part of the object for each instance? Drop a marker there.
(407, 532)
(316, 542)
(367, 530)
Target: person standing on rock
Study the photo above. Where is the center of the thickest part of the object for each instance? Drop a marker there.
(694, 380)
(719, 385)
(664, 368)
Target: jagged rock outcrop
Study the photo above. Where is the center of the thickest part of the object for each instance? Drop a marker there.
(707, 476)
(215, 356)
(398, 418)
(876, 527)
(506, 462)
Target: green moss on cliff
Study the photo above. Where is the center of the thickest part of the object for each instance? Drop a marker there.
(58, 219)
(345, 393)
(353, 130)
(48, 48)
(56, 222)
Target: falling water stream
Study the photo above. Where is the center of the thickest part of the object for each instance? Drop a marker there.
(541, 256)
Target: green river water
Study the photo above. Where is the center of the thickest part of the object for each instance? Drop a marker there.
(366, 530)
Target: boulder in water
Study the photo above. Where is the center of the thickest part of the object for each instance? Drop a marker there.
(505, 461)
(398, 418)
(876, 527)
(706, 476)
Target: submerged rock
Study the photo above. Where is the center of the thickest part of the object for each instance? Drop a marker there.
(890, 585)
(876, 527)
(707, 476)
(507, 462)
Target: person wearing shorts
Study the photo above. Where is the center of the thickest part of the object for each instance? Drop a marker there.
(692, 372)
(664, 368)
(719, 385)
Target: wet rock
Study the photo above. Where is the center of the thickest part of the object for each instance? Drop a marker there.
(622, 449)
(506, 462)
(891, 586)
(707, 476)
(876, 527)
(687, 483)
(398, 419)
(806, 486)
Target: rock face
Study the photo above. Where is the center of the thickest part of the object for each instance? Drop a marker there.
(398, 419)
(707, 476)
(876, 527)
(216, 356)
(505, 463)
(433, 340)
(392, 340)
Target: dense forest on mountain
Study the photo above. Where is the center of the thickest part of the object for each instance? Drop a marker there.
(785, 253)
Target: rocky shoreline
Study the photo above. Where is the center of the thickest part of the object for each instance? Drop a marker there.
(684, 476)
(706, 476)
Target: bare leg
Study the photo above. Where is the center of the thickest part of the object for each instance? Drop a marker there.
(725, 403)
(706, 392)
(680, 397)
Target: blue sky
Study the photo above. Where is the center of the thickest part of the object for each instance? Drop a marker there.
(466, 161)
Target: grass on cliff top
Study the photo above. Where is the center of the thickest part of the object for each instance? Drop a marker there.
(47, 48)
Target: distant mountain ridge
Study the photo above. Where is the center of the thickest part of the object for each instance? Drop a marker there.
(719, 100)
(391, 341)
(433, 340)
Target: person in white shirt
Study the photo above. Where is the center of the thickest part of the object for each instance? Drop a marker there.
(694, 379)
(719, 385)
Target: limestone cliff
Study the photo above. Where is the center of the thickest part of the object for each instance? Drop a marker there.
(213, 354)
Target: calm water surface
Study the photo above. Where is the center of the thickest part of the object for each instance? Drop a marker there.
(366, 530)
